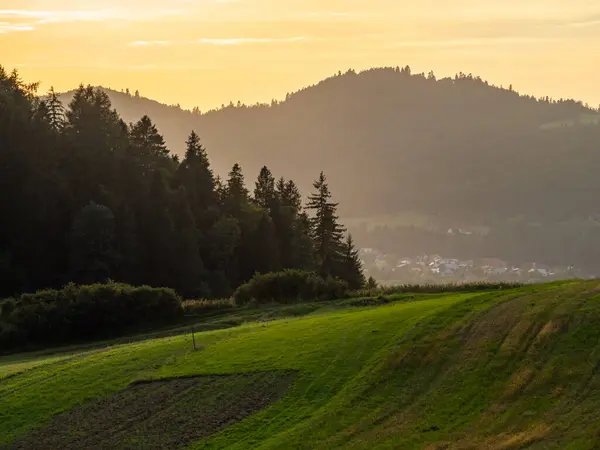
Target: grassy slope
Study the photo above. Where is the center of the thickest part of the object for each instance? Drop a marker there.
(511, 369)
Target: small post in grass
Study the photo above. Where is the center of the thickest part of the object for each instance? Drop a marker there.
(193, 337)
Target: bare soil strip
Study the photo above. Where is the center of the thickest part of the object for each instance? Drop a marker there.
(166, 414)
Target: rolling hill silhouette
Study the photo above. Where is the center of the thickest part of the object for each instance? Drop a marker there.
(393, 141)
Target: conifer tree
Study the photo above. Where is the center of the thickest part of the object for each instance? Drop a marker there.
(56, 111)
(264, 191)
(147, 145)
(196, 176)
(291, 197)
(350, 266)
(326, 232)
(236, 194)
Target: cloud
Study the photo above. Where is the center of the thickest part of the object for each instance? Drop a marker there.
(218, 41)
(243, 41)
(7, 27)
(98, 15)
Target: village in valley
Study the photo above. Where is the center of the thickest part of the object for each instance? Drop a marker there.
(395, 269)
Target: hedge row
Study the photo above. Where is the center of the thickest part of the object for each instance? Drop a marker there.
(79, 313)
(289, 286)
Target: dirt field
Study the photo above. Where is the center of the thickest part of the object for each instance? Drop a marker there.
(166, 414)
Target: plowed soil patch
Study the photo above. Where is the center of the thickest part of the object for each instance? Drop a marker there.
(167, 414)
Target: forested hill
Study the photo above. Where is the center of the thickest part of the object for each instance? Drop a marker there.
(395, 141)
(86, 198)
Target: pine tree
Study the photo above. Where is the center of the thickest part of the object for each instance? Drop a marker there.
(290, 196)
(196, 176)
(56, 111)
(236, 194)
(148, 146)
(350, 269)
(326, 232)
(264, 191)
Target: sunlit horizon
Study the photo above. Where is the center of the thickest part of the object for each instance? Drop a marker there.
(210, 52)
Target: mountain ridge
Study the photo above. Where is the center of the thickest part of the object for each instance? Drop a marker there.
(395, 129)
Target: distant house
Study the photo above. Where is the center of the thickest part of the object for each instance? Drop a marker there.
(494, 266)
(540, 269)
(448, 270)
(449, 265)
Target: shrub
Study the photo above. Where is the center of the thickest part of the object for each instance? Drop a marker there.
(202, 306)
(289, 286)
(77, 313)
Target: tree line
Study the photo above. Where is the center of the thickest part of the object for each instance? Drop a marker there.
(87, 198)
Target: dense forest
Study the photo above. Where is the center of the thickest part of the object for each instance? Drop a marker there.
(87, 197)
(391, 140)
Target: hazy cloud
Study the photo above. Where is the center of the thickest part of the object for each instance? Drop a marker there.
(7, 27)
(55, 16)
(218, 41)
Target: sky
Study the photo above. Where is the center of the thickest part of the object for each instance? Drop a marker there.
(208, 52)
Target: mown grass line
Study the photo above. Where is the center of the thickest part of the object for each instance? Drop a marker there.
(309, 345)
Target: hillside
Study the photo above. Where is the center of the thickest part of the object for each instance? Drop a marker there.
(392, 141)
(508, 369)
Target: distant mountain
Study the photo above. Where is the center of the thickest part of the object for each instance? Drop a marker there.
(392, 141)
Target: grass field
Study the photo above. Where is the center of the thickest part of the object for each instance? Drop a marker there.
(496, 370)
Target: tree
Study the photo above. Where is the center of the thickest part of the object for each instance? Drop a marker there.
(196, 176)
(96, 136)
(56, 111)
(147, 145)
(326, 232)
(92, 244)
(371, 283)
(290, 196)
(265, 251)
(350, 269)
(157, 235)
(236, 194)
(264, 191)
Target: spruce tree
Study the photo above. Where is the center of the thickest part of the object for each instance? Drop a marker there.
(56, 111)
(264, 191)
(147, 145)
(291, 197)
(236, 194)
(326, 232)
(196, 176)
(350, 268)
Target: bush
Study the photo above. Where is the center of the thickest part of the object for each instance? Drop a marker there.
(199, 307)
(77, 313)
(289, 286)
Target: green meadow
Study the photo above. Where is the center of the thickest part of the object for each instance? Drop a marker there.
(507, 369)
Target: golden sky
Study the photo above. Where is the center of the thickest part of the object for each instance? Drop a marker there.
(208, 52)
